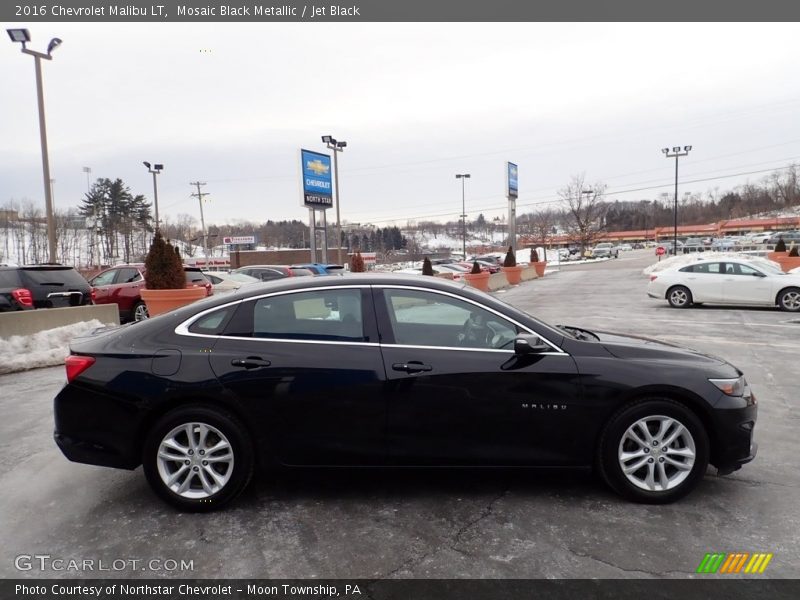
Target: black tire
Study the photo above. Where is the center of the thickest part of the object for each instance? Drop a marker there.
(613, 441)
(679, 297)
(238, 470)
(789, 299)
(139, 312)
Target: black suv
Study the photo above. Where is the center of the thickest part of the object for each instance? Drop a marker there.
(42, 286)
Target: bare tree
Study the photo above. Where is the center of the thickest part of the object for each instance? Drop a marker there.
(585, 209)
(541, 226)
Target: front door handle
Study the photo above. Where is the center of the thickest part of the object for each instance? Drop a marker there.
(251, 362)
(413, 366)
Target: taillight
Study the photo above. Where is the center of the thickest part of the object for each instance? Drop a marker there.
(653, 277)
(77, 365)
(94, 294)
(23, 296)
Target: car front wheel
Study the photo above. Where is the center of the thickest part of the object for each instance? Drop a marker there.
(198, 458)
(679, 297)
(654, 451)
(789, 299)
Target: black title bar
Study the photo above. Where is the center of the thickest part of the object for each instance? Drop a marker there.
(396, 10)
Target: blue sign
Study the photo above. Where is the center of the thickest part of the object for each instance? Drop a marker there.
(317, 179)
(511, 176)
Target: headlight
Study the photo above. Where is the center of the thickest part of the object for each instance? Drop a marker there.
(731, 387)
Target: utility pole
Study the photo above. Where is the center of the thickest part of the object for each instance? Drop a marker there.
(199, 195)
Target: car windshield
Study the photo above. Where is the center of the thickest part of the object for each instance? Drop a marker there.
(242, 278)
(767, 266)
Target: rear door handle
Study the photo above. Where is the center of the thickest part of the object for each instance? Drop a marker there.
(251, 362)
(413, 366)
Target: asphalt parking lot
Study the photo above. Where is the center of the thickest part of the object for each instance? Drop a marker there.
(434, 524)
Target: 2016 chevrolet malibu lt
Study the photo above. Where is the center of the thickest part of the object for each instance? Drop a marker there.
(391, 370)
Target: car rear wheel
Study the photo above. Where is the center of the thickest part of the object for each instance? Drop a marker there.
(140, 311)
(655, 451)
(789, 299)
(198, 458)
(679, 297)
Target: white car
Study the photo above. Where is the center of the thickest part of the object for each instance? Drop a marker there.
(227, 282)
(740, 281)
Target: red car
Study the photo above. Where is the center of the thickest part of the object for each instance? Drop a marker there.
(120, 285)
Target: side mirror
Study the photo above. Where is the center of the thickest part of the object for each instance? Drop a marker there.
(758, 274)
(526, 343)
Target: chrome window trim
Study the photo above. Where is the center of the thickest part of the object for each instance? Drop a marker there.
(183, 328)
(467, 349)
(557, 350)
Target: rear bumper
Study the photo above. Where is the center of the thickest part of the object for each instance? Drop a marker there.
(90, 453)
(95, 428)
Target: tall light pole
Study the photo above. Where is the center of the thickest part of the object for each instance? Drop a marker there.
(23, 36)
(155, 170)
(337, 146)
(95, 227)
(463, 177)
(676, 153)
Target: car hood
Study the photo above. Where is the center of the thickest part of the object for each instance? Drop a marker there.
(645, 348)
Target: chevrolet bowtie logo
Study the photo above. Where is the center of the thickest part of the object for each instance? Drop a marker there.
(318, 167)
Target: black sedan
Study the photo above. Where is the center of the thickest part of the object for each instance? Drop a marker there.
(389, 370)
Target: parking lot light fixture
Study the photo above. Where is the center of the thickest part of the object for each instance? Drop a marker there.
(676, 153)
(337, 146)
(23, 36)
(155, 170)
(463, 177)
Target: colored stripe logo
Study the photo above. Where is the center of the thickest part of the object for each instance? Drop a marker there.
(734, 562)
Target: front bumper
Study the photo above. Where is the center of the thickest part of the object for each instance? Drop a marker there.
(733, 444)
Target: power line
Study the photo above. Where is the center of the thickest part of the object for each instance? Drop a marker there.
(553, 199)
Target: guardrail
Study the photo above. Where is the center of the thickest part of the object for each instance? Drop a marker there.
(28, 322)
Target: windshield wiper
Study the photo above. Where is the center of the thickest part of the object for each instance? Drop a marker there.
(583, 335)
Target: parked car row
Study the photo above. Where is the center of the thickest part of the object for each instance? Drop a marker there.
(52, 285)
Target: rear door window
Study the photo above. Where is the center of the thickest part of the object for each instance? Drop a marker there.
(319, 315)
(129, 275)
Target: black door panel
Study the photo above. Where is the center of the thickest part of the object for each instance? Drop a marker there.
(322, 401)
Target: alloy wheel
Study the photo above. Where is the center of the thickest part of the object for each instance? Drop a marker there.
(657, 453)
(195, 460)
(791, 301)
(679, 297)
(140, 312)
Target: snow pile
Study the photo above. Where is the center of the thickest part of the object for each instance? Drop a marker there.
(687, 259)
(44, 349)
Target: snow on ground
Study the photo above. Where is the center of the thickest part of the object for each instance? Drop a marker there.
(687, 259)
(44, 349)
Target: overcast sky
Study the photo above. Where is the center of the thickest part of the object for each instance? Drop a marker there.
(231, 104)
